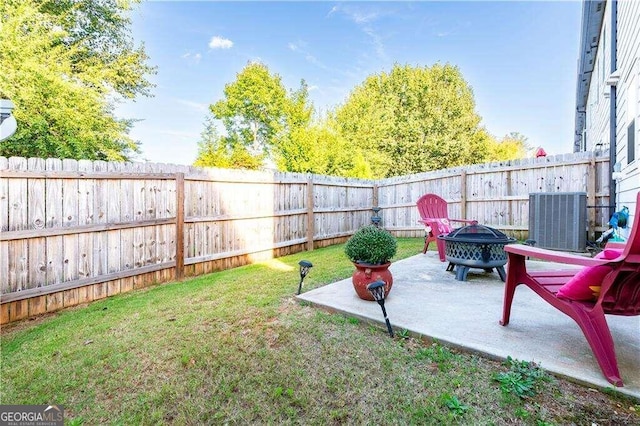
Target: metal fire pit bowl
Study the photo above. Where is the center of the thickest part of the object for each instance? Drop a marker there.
(476, 246)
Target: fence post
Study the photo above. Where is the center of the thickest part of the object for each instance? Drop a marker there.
(310, 219)
(179, 226)
(509, 192)
(375, 195)
(463, 194)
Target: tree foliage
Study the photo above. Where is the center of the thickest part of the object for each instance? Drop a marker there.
(320, 149)
(510, 147)
(410, 120)
(258, 113)
(64, 63)
(416, 119)
(224, 152)
(264, 122)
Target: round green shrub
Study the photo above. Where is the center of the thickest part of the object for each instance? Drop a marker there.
(372, 245)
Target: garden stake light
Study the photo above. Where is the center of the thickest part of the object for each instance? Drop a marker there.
(305, 265)
(377, 291)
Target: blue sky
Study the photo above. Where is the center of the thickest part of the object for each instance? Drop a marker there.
(520, 58)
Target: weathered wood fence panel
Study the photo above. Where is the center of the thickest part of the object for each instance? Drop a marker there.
(497, 194)
(340, 207)
(76, 231)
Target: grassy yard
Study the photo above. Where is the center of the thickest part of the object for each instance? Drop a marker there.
(236, 347)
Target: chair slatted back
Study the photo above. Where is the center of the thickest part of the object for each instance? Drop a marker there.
(431, 206)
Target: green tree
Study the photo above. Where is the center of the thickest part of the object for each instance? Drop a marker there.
(414, 119)
(215, 150)
(64, 64)
(510, 147)
(320, 149)
(258, 113)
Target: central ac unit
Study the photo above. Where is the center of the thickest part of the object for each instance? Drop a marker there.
(558, 220)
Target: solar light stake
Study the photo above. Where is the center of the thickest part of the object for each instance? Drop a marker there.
(377, 291)
(305, 265)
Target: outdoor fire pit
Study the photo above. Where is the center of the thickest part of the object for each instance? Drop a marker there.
(476, 246)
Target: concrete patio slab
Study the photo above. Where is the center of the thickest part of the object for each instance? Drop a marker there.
(428, 301)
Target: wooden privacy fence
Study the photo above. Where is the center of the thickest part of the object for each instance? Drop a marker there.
(497, 194)
(77, 231)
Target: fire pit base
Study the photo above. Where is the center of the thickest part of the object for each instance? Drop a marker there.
(463, 270)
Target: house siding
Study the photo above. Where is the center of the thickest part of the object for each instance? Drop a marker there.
(628, 105)
(627, 98)
(597, 122)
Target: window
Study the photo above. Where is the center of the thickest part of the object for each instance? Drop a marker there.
(631, 142)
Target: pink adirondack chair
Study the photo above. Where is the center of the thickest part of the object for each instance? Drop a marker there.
(619, 290)
(434, 216)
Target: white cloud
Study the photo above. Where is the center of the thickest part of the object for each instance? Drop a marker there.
(358, 13)
(184, 136)
(377, 42)
(312, 59)
(364, 17)
(218, 42)
(197, 106)
(301, 47)
(192, 57)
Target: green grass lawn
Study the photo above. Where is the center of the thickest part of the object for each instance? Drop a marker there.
(236, 347)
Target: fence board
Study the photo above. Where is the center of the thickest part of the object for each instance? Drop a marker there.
(4, 196)
(5, 283)
(86, 189)
(70, 208)
(18, 253)
(54, 220)
(100, 213)
(114, 215)
(37, 305)
(127, 208)
(70, 297)
(160, 231)
(4, 226)
(17, 196)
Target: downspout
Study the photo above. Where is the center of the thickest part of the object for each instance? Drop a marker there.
(612, 108)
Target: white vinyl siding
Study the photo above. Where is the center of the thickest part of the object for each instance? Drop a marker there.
(597, 122)
(627, 98)
(628, 107)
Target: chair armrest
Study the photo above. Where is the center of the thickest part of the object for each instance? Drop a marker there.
(553, 256)
(472, 222)
(427, 222)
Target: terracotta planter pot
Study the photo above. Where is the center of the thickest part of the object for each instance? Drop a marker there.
(365, 274)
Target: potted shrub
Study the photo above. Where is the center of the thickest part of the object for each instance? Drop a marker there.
(371, 249)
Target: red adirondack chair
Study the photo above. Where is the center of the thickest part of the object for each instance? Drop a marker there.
(619, 290)
(434, 216)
